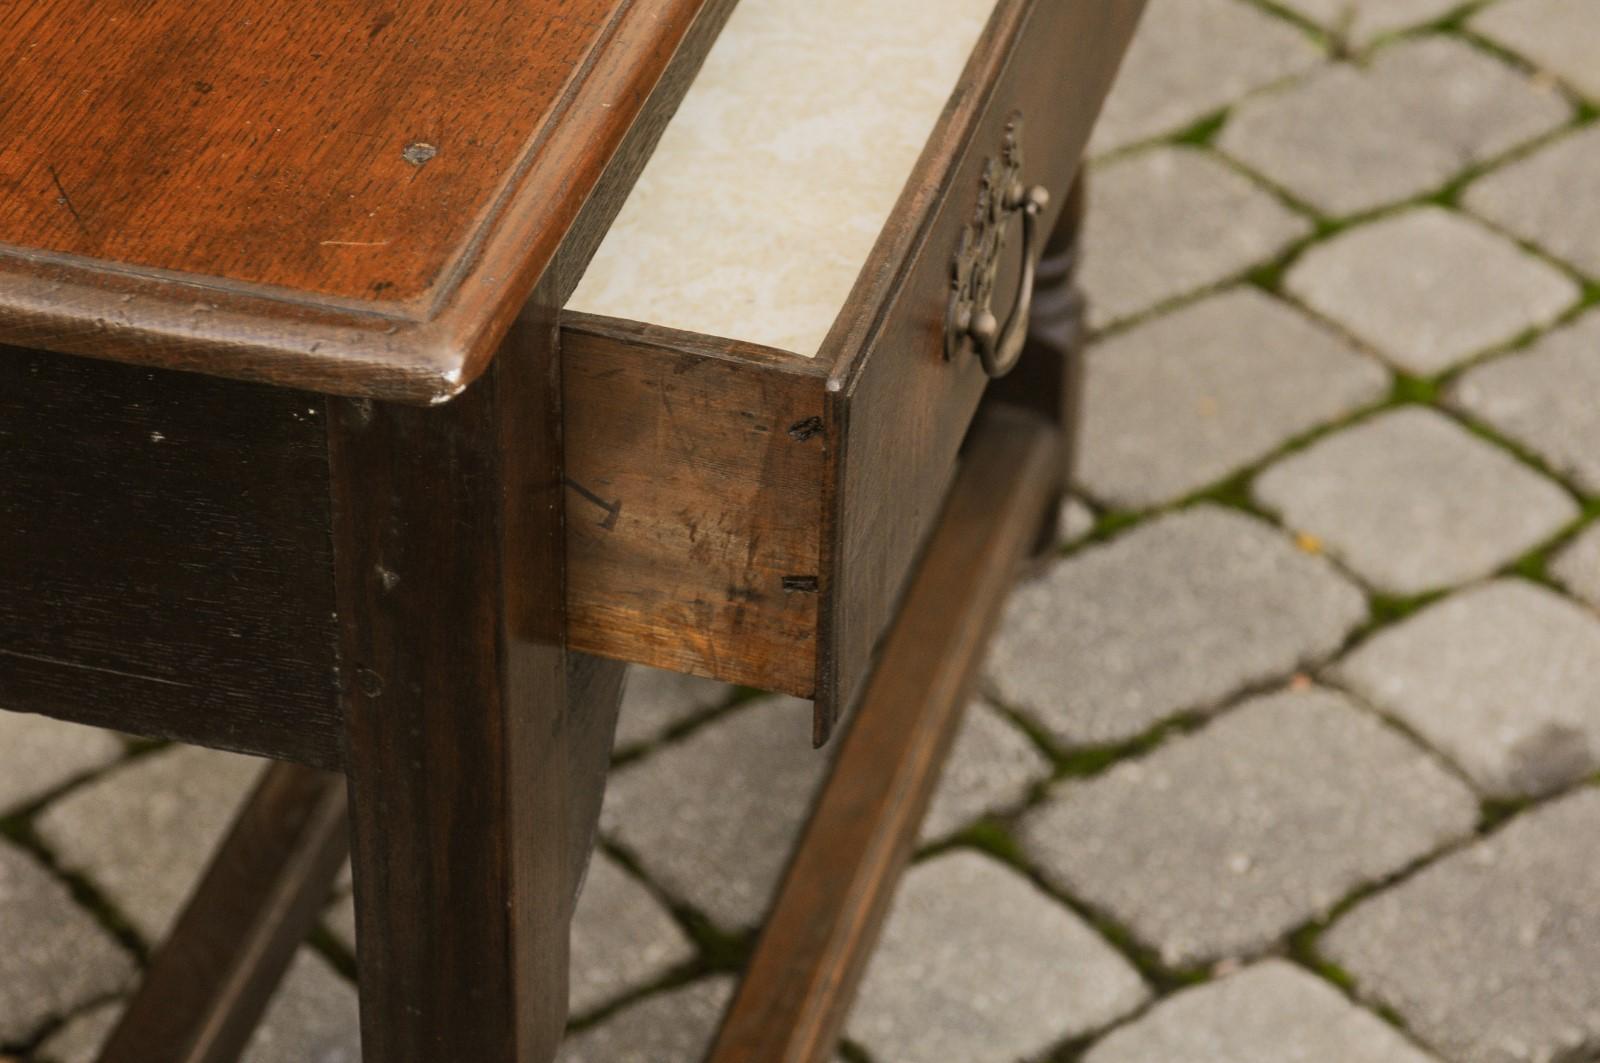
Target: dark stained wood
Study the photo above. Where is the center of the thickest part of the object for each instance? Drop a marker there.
(347, 198)
(829, 910)
(166, 557)
(459, 734)
(211, 981)
(694, 490)
(900, 405)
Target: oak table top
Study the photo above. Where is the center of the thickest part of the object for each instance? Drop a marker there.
(354, 198)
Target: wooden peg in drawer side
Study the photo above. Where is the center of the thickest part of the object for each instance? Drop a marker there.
(827, 473)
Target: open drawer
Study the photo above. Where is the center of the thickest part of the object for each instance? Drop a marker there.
(767, 373)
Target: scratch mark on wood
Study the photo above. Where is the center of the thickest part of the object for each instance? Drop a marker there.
(41, 659)
(354, 243)
(66, 200)
(613, 509)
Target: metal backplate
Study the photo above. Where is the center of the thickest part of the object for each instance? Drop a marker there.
(977, 261)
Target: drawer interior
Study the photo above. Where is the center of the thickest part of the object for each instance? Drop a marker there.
(758, 210)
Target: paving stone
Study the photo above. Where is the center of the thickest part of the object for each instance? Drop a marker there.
(80, 1038)
(144, 832)
(312, 1018)
(1170, 221)
(1190, 59)
(1359, 21)
(53, 956)
(1545, 398)
(1179, 402)
(1176, 615)
(1349, 139)
(1535, 198)
(1220, 842)
(41, 754)
(1489, 954)
(1428, 288)
(1272, 1012)
(1414, 502)
(992, 767)
(340, 921)
(622, 938)
(1560, 36)
(654, 701)
(712, 818)
(674, 1027)
(1076, 521)
(1577, 566)
(1502, 678)
(977, 965)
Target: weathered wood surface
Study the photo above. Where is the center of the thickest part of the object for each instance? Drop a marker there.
(694, 478)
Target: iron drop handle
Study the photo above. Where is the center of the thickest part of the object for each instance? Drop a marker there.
(1000, 348)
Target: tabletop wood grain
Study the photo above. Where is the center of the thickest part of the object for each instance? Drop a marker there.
(345, 195)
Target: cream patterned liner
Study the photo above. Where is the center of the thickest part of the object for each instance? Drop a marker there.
(768, 190)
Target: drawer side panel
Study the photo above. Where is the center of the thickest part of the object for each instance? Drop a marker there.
(694, 506)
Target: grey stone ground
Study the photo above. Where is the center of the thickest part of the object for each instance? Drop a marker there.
(1413, 502)
(1220, 842)
(1268, 1013)
(1290, 756)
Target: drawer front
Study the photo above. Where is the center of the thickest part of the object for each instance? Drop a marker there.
(901, 407)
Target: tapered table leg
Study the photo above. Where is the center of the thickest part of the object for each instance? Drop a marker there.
(471, 766)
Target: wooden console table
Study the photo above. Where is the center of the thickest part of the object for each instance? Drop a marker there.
(352, 414)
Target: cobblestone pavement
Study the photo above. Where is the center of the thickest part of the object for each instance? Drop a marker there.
(1293, 754)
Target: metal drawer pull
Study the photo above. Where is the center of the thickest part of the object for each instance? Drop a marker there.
(971, 317)
(1000, 349)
